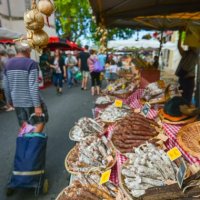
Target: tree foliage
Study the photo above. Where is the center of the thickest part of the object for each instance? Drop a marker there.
(74, 19)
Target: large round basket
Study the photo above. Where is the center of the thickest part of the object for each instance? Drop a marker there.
(188, 138)
(61, 193)
(125, 75)
(74, 150)
(71, 136)
(123, 95)
(102, 106)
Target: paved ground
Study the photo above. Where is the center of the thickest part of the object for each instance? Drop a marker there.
(64, 111)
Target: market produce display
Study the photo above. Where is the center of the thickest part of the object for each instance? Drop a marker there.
(158, 92)
(85, 127)
(147, 167)
(94, 179)
(133, 131)
(112, 113)
(189, 139)
(120, 88)
(82, 191)
(91, 154)
(103, 101)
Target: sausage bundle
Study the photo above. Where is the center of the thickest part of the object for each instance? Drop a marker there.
(133, 131)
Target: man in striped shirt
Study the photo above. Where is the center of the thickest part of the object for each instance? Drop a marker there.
(22, 89)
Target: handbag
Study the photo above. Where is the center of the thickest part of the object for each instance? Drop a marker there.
(97, 66)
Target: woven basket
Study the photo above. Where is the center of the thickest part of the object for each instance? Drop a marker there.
(125, 75)
(73, 150)
(188, 138)
(102, 106)
(123, 95)
(60, 194)
(100, 190)
(93, 133)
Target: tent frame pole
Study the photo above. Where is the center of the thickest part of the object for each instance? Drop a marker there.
(197, 92)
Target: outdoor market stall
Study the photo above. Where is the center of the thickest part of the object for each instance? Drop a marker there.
(128, 133)
(147, 140)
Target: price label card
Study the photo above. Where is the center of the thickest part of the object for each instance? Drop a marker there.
(123, 86)
(181, 173)
(109, 88)
(145, 109)
(105, 176)
(174, 153)
(118, 103)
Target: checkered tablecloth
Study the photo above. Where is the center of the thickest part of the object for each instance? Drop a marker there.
(134, 102)
(171, 131)
(120, 160)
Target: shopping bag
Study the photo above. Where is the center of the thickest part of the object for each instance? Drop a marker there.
(97, 66)
(29, 161)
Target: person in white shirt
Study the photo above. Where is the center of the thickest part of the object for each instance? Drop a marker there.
(113, 69)
(70, 63)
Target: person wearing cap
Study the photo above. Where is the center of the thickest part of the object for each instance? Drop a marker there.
(70, 63)
(22, 89)
(186, 70)
(83, 65)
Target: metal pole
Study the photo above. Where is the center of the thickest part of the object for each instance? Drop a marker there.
(9, 9)
(197, 92)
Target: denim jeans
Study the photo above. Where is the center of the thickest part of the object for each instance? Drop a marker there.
(57, 80)
(69, 77)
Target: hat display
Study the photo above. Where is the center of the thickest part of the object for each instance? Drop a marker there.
(177, 111)
(172, 106)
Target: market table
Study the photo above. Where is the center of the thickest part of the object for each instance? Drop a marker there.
(170, 130)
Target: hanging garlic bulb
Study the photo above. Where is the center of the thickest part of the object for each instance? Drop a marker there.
(46, 7)
(34, 20)
(37, 39)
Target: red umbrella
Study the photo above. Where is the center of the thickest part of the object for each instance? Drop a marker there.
(56, 42)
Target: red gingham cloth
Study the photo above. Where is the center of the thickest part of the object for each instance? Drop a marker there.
(171, 131)
(120, 160)
(134, 102)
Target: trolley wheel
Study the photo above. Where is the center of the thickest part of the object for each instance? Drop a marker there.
(10, 191)
(45, 187)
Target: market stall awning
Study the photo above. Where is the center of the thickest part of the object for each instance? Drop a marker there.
(62, 44)
(125, 13)
(144, 44)
(6, 34)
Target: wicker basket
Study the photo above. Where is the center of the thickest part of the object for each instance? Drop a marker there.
(102, 106)
(188, 138)
(123, 95)
(128, 76)
(74, 150)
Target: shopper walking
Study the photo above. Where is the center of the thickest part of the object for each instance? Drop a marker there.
(59, 71)
(5, 54)
(83, 65)
(70, 63)
(186, 70)
(22, 89)
(95, 75)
